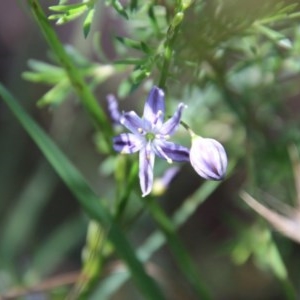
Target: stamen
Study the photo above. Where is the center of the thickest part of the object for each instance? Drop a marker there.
(158, 114)
(169, 160)
(163, 154)
(162, 136)
(140, 130)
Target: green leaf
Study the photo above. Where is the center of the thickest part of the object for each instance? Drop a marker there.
(63, 19)
(138, 75)
(67, 13)
(153, 19)
(68, 8)
(56, 95)
(119, 8)
(129, 42)
(88, 22)
(40, 66)
(44, 72)
(89, 201)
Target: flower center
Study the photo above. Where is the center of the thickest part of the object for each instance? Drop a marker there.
(150, 136)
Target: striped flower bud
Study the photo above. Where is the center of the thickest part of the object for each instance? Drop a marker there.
(208, 158)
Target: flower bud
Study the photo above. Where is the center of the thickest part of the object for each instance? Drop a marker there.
(208, 158)
(113, 109)
(160, 185)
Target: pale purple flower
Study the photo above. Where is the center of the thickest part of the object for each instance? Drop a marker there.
(149, 135)
(208, 158)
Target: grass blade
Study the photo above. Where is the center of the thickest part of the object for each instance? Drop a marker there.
(86, 197)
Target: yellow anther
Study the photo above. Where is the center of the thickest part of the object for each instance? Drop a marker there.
(169, 160)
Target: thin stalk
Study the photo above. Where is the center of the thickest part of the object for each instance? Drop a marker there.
(80, 87)
(168, 52)
(172, 33)
(168, 48)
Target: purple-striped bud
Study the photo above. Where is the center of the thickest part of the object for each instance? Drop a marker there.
(208, 158)
(113, 109)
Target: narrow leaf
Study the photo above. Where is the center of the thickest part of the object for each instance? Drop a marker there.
(88, 22)
(119, 8)
(68, 7)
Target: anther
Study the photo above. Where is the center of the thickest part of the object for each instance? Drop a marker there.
(169, 160)
(158, 114)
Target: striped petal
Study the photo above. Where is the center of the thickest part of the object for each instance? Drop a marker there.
(169, 127)
(171, 151)
(128, 143)
(154, 108)
(132, 122)
(146, 164)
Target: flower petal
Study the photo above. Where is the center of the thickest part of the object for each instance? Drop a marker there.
(154, 109)
(169, 127)
(128, 143)
(208, 158)
(113, 108)
(132, 122)
(146, 164)
(171, 151)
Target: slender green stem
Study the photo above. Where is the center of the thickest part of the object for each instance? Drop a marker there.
(181, 6)
(86, 96)
(166, 65)
(178, 249)
(168, 48)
